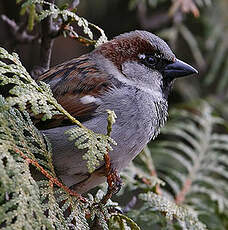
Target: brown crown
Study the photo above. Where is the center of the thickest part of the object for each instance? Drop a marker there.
(120, 49)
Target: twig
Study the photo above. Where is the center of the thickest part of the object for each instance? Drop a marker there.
(71, 34)
(46, 45)
(50, 177)
(153, 22)
(74, 4)
(49, 31)
(109, 193)
(113, 179)
(180, 197)
(19, 33)
(130, 204)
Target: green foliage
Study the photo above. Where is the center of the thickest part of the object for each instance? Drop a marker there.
(25, 203)
(178, 182)
(195, 173)
(31, 196)
(47, 9)
(25, 93)
(119, 221)
(200, 157)
(185, 216)
(23, 90)
(96, 145)
(19, 194)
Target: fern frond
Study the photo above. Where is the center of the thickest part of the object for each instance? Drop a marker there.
(196, 158)
(119, 221)
(97, 145)
(67, 213)
(27, 204)
(20, 204)
(185, 216)
(191, 158)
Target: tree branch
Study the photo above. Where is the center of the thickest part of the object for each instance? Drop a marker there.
(19, 33)
(47, 41)
(154, 22)
(49, 31)
(74, 4)
(51, 179)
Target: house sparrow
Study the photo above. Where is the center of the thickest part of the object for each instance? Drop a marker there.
(132, 75)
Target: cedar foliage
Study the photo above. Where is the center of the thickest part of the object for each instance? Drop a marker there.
(45, 203)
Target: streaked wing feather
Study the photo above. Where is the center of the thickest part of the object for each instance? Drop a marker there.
(72, 80)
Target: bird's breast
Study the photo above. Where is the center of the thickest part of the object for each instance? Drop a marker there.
(139, 119)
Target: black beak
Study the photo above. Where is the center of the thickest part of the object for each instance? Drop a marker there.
(178, 69)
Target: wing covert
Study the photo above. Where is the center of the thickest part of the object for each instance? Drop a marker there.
(77, 85)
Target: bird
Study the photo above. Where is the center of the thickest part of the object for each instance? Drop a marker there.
(132, 74)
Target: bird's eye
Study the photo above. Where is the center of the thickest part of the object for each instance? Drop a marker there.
(151, 60)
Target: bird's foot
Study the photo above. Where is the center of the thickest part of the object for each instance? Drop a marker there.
(113, 179)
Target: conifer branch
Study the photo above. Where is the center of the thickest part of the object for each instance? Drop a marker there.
(52, 180)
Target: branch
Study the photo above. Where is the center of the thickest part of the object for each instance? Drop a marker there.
(47, 41)
(113, 180)
(180, 197)
(130, 204)
(74, 4)
(71, 34)
(49, 31)
(154, 22)
(48, 176)
(19, 33)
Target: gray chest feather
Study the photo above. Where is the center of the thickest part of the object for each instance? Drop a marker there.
(139, 119)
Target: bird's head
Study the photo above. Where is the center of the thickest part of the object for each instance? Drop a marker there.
(144, 60)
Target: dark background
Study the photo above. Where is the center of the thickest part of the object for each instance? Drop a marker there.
(202, 43)
(116, 16)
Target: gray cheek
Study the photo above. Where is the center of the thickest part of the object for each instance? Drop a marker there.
(140, 73)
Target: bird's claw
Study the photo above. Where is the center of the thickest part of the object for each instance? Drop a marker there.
(114, 181)
(112, 209)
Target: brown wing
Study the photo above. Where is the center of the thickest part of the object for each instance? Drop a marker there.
(71, 81)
